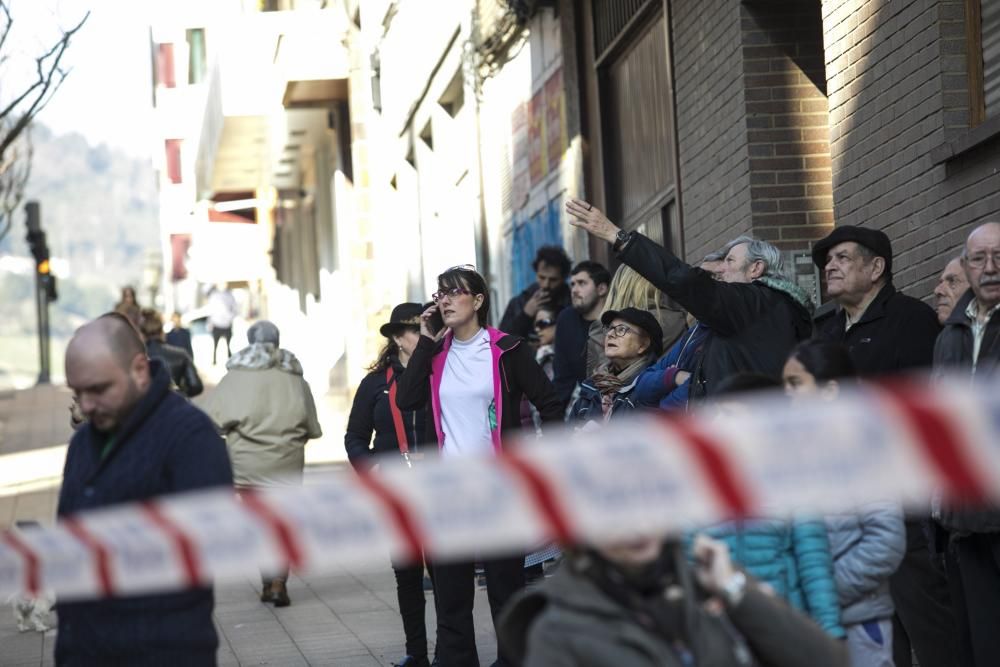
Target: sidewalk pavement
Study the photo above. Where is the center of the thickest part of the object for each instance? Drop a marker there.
(349, 617)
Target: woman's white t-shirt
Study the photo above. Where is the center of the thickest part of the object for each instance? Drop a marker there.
(466, 397)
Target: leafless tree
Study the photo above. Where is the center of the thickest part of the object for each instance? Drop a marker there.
(17, 114)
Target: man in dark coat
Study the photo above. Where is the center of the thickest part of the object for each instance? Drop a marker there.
(551, 267)
(886, 332)
(588, 285)
(141, 440)
(754, 316)
(970, 343)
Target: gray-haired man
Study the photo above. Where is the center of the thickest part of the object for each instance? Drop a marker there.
(754, 315)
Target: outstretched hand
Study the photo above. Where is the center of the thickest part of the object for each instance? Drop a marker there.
(591, 219)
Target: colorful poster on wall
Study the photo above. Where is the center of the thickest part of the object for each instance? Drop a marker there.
(520, 178)
(538, 164)
(555, 119)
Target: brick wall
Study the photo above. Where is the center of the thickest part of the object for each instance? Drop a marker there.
(895, 71)
(787, 123)
(711, 128)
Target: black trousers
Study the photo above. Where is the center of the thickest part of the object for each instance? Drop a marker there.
(410, 593)
(226, 334)
(924, 621)
(973, 564)
(455, 590)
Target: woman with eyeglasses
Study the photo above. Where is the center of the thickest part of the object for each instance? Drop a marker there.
(473, 377)
(632, 341)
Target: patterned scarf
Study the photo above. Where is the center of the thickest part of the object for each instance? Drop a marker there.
(609, 379)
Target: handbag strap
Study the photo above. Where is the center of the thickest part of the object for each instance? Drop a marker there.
(397, 416)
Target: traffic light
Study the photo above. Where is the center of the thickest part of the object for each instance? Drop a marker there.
(36, 235)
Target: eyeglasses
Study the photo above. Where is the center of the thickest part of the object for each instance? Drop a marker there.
(462, 267)
(543, 324)
(619, 330)
(978, 261)
(452, 293)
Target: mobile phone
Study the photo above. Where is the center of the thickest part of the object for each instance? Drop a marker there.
(435, 322)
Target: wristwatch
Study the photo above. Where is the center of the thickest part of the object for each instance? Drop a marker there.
(734, 588)
(621, 240)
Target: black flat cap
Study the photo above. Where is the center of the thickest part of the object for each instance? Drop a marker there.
(873, 239)
(642, 319)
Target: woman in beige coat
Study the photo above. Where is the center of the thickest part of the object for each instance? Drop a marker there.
(265, 410)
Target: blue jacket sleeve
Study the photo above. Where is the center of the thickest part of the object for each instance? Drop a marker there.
(815, 566)
(655, 389)
(875, 556)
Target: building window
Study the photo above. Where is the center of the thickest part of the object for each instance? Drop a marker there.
(173, 151)
(196, 55)
(165, 65)
(983, 39)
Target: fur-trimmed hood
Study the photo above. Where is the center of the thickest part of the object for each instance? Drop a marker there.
(263, 356)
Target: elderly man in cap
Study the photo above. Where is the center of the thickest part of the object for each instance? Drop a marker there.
(139, 440)
(265, 409)
(970, 344)
(885, 332)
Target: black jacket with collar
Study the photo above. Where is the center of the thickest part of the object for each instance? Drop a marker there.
(179, 364)
(954, 344)
(895, 333)
(752, 326)
(371, 412)
(516, 322)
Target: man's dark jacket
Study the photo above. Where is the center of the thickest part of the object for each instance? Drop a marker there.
(516, 322)
(953, 351)
(752, 326)
(895, 333)
(166, 445)
(569, 365)
(181, 337)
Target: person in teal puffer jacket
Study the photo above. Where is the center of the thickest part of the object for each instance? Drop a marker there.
(791, 556)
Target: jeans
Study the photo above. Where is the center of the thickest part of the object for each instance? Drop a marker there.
(870, 643)
(224, 333)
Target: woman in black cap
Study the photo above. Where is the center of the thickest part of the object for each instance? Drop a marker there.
(632, 341)
(397, 433)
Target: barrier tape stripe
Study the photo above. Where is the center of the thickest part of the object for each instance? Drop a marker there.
(938, 440)
(714, 463)
(403, 522)
(32, 564)
(542, 494)
(281, 528)
(183, 544)
(945, 438)
(102, 558)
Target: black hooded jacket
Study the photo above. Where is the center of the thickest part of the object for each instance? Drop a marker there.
(752, 326)
(180, 366)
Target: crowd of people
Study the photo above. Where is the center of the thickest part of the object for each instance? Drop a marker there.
(581, 346)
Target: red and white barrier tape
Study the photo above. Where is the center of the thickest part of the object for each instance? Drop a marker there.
(646, 475)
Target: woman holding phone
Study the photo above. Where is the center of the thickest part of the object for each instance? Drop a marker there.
(472, 376)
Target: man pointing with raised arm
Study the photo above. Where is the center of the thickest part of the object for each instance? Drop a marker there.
(754, 315)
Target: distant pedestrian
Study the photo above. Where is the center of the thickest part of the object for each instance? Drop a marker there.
(631, 343)
(867, 544)
(970, 344)
(264, 408)
(221, 313)
(139, 441)
(551, 267)
(179, 335)
(588, 284)
(128, 305)
(887, 332)
(473, 377)
(545, 334)
(179, 364)
(398, 435)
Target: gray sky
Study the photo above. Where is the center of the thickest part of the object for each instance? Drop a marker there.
(107, 96)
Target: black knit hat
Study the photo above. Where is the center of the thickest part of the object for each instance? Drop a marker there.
(404, 315)
(642, 319)
(873, 239)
